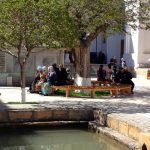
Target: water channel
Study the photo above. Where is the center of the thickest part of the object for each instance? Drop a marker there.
(52, 139)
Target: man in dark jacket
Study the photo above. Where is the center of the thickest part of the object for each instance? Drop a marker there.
(126, 78)
(62, 77)
(118, 76)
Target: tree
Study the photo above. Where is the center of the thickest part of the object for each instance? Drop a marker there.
(19, 32)
(95, 17)
(28, 24)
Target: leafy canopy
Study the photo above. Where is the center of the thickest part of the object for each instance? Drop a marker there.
(33, 23)
(64, 23)
(92, 17)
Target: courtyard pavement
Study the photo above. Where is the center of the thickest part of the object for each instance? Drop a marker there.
(133, 108)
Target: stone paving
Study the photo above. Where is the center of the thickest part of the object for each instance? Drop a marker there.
(133, 108)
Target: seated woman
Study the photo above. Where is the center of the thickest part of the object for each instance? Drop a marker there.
(36, 79)
(45, 71)
(51, 76)
(51, 80)
(38, 85)
(43, 78)
(109, 73)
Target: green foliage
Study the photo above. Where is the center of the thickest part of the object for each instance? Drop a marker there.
(144, 12)
(75, 94)
(58, 24)
(100, 16)
(89, 15)
(63, 23)
(18, 22)
(35, 23)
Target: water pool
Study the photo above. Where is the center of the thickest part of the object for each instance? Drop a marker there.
(62, 139)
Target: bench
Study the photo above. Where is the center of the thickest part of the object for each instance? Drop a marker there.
(99, 83)
(114, 90)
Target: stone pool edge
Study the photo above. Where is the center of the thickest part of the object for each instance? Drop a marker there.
(105, 123)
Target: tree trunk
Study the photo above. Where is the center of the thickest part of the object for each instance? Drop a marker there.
(23, 85)
(82, 65)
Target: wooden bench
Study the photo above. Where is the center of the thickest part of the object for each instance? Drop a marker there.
(99, 83)
(122, 88)
(114, 90)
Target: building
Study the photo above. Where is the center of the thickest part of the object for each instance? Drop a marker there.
(10, 70)
(133, 47)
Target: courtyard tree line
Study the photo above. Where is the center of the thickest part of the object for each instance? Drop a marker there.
(103, 17)
(28, 24)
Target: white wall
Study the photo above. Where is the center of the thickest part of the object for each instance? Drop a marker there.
(99, 45)
(114, 46)
(144, 47)
(131, 47)
(110, 48)
(9, 62)
(49, 57)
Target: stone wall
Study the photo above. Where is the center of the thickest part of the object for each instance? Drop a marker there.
(127, 129)
(10, 117)
(12, 68)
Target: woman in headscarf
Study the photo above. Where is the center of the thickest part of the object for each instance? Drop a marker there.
(45, 71)
(39, 72)
(51, 75)
(43, 79)
(51, 80)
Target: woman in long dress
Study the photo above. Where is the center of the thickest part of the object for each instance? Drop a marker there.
(51, 80)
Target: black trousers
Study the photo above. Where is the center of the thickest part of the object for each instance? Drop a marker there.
(129, 82)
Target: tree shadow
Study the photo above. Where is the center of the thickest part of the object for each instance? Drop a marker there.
(3, 106)
(139, 102)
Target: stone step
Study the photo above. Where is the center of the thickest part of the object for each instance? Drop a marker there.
(115, 135)
(135, 126)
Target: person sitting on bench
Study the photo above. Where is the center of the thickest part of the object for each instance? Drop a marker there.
(126, 78)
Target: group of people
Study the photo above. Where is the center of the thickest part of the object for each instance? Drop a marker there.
(113, 62)
(53, 75)
(48, 76)
(116, 75)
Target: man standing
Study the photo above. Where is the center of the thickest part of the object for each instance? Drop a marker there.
(101, 58)
(123, 63)
(113, 61)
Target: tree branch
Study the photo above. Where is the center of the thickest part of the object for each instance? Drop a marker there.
(27, 56)
(97, 31)
(9, 52)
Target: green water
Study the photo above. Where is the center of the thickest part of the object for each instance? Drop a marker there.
(55, 140)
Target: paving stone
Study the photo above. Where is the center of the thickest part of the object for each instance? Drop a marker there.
(134, 109)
